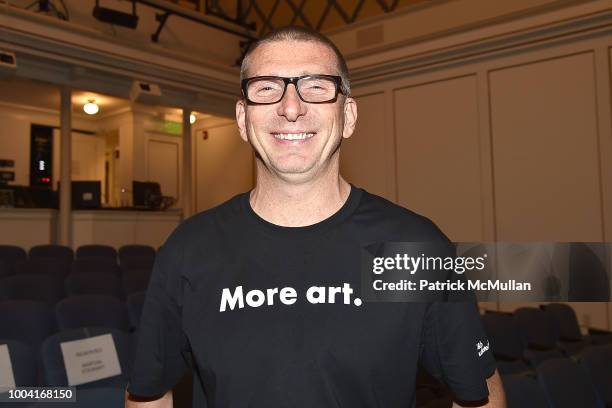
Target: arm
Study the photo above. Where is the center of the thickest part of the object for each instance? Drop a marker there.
(131, 401)
(497, 396)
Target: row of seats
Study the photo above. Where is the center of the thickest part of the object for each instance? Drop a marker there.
(524, 339)
(46, 368)
(12, 257)
(564, 382)
(52, 288)
(31, 322)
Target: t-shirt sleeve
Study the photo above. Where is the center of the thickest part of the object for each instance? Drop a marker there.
(455, 350)
(162, 354)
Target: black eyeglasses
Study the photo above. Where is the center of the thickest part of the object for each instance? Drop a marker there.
(266, 90)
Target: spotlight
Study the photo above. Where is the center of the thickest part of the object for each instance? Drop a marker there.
(91, 108)
(116, 17)
(192, 118)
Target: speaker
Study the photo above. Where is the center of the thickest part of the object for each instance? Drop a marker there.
(145, 92)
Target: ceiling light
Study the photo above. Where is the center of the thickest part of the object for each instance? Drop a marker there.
(91, 108)
(192, 118)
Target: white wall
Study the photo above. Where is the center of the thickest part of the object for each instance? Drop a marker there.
(223, 162)
(507, 140)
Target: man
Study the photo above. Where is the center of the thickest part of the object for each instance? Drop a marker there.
(232, 289)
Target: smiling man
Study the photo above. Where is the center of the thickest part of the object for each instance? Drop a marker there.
(260, 296)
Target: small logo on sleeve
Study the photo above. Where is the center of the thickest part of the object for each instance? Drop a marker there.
(482, 348)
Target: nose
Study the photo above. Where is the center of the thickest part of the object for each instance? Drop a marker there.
(291, 106)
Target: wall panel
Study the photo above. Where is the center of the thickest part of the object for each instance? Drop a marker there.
(438, 154)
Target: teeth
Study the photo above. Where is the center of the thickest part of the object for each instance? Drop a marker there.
(293, 136)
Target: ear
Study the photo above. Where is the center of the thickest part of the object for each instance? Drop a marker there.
(350, 117)
(241, 119)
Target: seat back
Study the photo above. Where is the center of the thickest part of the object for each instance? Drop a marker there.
(94, 284)
(92, 311)
(95, 265)
(565, 319)
(62, 252)
(597, 361)
(566, 385)
(23, 362)
(539, 330)
(54, 369)
(38, 287)
(96, 251)
(9, 256)
(130, 251)
(503, 334)
(523, 391)
(26, 321)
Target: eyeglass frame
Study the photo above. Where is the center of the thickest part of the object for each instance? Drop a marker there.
(292, 80)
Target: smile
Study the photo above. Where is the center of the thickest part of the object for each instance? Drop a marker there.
(293, 136)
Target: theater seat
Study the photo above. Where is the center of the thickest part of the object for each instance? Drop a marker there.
(92, 311)
(97, 251)
(54, 370)
(23, 362)
(571, 340)
(26, 321)
(597, 361)
(131, 251)
(539, 333)
(52, 251)
(524, 391)
(95, 265)
(94, 284)
(506, 343)
(38, 287)
(566, 385)
(103, 397)
(9, 256)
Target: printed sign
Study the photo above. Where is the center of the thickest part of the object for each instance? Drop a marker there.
(90, 359)
(7, 378)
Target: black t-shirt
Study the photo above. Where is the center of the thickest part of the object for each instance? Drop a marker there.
(276, 348)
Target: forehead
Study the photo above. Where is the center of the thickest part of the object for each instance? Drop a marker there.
(292, 58)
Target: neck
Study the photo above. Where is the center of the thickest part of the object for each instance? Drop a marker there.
(291, 203)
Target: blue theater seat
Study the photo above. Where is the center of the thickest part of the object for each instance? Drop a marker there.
(38, 287)
(23, 362)
(506, 343)
(540, 334)
(95, 265)
(597, 361)
(26, 321)
(571, 340)
(52, 251)
(104, 397)
(54, 370)
(524, 391)
(94, 284)
(135, 251)
(566, 384)
(97, 251)
(9, 256)
(92, 311)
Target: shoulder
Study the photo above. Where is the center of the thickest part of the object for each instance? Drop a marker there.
(407, 224)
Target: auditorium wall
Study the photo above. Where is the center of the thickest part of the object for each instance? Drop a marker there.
(506, 138)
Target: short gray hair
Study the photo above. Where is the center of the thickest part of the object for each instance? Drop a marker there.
(298, 33)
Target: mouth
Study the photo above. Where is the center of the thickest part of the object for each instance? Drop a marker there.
(293, 138)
